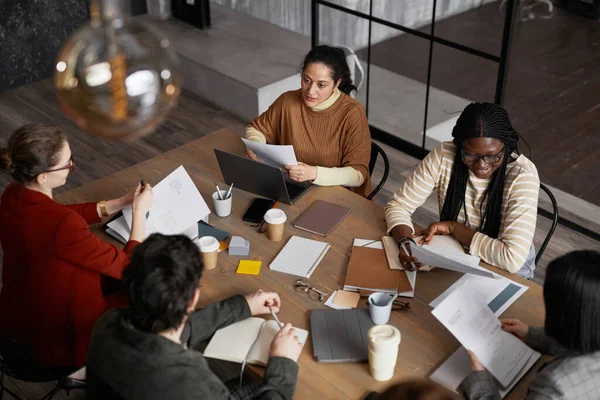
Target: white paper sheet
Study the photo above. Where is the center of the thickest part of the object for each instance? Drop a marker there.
(458, 366)
(476, 327)
(498, 294)
(276, 155)
(455, 262)
(177, 205)
(378, 244)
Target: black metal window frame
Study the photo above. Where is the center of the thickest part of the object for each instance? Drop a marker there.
(502, 61)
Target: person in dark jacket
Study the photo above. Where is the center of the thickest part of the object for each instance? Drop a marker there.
(147, 352)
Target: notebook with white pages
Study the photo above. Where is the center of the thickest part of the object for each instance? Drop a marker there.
(248, 340)
(300, 256)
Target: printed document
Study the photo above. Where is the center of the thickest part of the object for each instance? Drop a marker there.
(498, 294)
(177, 205)
(476, 327)
(275, 155)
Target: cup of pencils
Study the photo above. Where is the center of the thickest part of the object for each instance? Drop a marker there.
(222, 201)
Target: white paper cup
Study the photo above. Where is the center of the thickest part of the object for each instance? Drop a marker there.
(222, 207)
(380, 312)
(209, 247)
(383, 351)
(275, 219)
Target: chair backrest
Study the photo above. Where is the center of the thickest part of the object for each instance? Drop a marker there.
(20, 362)
(552, 227)
(375, 152)
(354, 65)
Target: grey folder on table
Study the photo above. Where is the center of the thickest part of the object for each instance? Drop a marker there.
(340, 335)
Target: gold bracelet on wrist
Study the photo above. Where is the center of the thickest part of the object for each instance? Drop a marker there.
(102, 205)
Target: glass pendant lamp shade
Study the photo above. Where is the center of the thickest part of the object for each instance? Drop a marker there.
(116, 77)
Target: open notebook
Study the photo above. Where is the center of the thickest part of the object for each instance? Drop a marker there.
(248, 340)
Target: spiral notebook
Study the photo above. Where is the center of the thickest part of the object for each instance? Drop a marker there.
(300, 256)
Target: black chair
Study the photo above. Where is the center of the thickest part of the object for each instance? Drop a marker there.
(19, 362)
(552, 227)
(375, 152)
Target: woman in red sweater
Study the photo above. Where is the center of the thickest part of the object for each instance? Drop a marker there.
(55, 271)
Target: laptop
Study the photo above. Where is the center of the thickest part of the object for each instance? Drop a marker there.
(259, 178)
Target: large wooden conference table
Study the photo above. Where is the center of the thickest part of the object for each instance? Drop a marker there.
(425, 342)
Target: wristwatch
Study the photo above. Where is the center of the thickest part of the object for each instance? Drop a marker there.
(102, 205)
(405, 240)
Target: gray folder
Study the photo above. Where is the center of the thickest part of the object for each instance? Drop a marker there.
(340, 335)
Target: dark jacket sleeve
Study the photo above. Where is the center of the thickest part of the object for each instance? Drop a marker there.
(280, 379)
(479, 385)
(539, 341)
(87, 211)
(204, 323)
(76, 244)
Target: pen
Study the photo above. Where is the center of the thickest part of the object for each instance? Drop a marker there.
(408, 253)
(219, 192)
(276, 319)
(229, 191)
(141, 190)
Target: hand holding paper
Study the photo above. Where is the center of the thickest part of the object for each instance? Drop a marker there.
(275, 155)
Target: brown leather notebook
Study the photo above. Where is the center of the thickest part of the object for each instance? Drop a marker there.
(321, 217)
(368, 271)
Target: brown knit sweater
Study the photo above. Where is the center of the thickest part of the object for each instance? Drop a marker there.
(336, 137)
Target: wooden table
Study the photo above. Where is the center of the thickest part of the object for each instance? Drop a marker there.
(425, 342)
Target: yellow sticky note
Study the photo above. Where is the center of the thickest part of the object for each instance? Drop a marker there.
(249, 267)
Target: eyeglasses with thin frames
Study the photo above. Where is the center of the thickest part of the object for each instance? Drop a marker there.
(302, 286)
(70, 167)
(488, 158)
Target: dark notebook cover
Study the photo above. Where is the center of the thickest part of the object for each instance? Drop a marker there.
(321, 217)
(340, 335)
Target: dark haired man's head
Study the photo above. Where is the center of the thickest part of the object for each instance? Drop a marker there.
(485, 140)
(324, 69)
(572, 297)
(162, 282)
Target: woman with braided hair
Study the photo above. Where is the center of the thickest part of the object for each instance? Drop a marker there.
(487, 193)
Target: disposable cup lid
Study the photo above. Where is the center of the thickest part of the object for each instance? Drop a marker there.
(275, 216)
(384, 335)
(208, 244)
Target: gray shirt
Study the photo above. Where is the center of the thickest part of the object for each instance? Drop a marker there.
(126, 363)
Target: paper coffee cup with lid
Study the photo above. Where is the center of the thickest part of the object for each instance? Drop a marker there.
(275, 219)
(383, 351)
(209, 247)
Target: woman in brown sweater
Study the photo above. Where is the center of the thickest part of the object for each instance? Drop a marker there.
(326, 126)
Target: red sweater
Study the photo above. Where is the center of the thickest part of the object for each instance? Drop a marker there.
(51, 292)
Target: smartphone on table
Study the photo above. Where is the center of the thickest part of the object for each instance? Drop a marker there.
(257, 210)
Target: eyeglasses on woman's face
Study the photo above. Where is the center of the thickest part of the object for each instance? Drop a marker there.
(302, 286)
(470, 158)
(70, 166)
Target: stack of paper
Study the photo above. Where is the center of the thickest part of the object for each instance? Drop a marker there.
(469, 318)
(275, 155)
(176, 209)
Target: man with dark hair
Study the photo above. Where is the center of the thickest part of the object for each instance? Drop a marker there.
(146, 352)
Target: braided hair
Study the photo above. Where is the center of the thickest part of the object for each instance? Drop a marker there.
(480, 120)
(335, 59)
